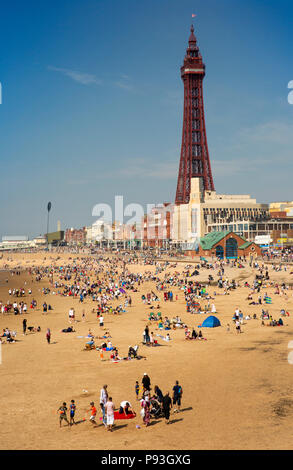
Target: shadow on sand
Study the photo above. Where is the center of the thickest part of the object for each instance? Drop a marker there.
(175, 420)
(186, 409)
(120, 426)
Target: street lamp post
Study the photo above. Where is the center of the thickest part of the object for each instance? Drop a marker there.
(48, 209)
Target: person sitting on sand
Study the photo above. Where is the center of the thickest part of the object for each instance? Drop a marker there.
(194, 334)
(68, 330)
(200, 335)
(90, 344)
(187, 333)
(160, 325)
(114, 356)
(132, 352)
(9, 338)
(33, 329)
(126, 408)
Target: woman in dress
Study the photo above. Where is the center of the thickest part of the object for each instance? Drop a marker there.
(145, 404)
(48, 335)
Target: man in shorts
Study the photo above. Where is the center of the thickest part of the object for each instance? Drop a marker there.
(177, 395)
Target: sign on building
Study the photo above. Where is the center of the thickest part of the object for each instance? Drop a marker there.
(263, 239)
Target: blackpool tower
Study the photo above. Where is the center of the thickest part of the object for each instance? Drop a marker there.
(194, 159)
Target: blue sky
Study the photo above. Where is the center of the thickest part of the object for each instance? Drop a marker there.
(92, 103)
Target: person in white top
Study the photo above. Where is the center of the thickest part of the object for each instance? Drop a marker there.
(71, 314)
(101, 321)
(103, 401)
(125, 407)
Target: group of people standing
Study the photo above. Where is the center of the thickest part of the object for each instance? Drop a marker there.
(165, 401)
(146, 402)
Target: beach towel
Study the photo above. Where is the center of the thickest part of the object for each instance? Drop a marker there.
(117, 415)
(163, 337)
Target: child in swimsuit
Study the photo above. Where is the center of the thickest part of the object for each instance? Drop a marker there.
(62, 413)
(72, 412)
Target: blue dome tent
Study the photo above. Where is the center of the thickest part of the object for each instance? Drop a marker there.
(211, 322)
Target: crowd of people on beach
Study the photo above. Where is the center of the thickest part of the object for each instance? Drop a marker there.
(153, 405)
(104, 286)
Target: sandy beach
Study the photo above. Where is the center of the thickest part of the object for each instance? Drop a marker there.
(237, 388)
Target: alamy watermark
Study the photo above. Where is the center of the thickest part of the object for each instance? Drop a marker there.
(290, 355)
(156, 222)
(290, 96)
(159, 222)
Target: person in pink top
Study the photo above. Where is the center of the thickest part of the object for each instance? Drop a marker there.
(109, 407)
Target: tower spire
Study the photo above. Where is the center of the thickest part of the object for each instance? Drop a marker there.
(194, 159)
(192, 38)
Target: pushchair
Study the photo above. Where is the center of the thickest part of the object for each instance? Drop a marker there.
(156, 410)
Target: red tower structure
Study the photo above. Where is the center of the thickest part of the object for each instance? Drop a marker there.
(194, 159)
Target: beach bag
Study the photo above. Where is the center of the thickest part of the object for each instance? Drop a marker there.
(142, 412)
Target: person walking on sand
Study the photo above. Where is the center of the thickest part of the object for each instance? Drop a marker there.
(177, 395)
(48, 335)
(93, 411)
(166, 407)
(72, 412)
(136, 387)
(145, 405)
(103, 401)
(110, 407)
(62, 410)
(238, 329)
(24, 322)
(71, 314)
(146, 382)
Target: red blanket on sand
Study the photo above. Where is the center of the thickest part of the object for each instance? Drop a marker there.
(117, 415)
